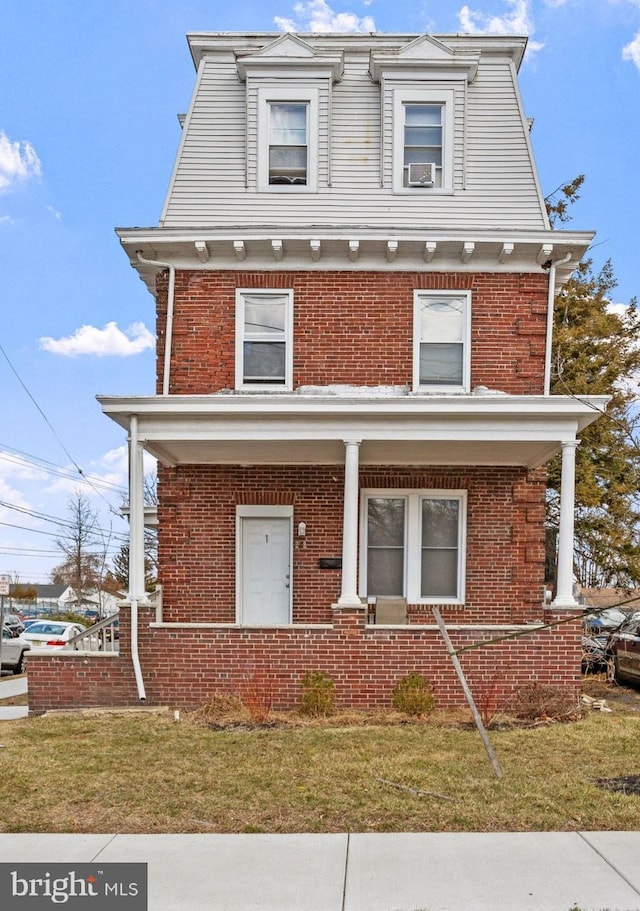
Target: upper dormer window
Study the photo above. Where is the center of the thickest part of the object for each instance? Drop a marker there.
(423, 132)
(287, 139)
(423, 140)
(288, 143)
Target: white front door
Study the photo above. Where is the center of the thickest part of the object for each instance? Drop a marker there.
(265, 570)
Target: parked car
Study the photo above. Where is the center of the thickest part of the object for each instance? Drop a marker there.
(604, 621)
(27, 623)
(596, 657)
(624, 648)
(52, 633)
(14, 624)
(14, 651)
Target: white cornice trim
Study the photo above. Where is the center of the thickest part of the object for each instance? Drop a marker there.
(347, 248)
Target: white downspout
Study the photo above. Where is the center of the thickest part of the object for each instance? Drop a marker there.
(169, 327)
(550, 304)
(136, 516)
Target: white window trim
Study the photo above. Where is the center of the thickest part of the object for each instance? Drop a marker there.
(287, 386)
(308, 96)
(413, 542)
(445, 97)
(466, 341)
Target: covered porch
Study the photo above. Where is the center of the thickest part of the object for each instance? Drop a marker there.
(353, 431)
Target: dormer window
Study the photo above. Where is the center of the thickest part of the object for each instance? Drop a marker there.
(287, 139)
(288, 149)
(422, 167)
(423, 141)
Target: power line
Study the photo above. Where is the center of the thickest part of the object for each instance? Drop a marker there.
(52, 429)
(63, 523)
(53, 534)
(56, 470)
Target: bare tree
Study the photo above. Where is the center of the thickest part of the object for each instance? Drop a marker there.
(82, 548)
(121, 560)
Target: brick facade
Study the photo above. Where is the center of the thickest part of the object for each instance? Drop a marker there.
(197, 528)
(356, 327)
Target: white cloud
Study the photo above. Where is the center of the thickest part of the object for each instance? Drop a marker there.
(318, 16)
(631, 51)
(110, 341)
(116, 461)
(18, 163)
(516, 21)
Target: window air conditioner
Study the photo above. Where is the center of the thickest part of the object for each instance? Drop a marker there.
(422, 174)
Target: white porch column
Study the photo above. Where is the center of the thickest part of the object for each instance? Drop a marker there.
(136, 516)
(564, 592)
(349, 592)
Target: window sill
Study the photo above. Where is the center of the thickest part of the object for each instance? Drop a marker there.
(424, 191)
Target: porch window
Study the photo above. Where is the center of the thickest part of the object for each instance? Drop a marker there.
(413, 545)
(263, 339)
(442, 341)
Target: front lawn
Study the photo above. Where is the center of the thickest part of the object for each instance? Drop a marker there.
(147, 772)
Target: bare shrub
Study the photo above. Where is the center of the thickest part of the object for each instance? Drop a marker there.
(256, 697)
(318, 694)
(486, 695)
(219, 707)
(412, 695)
(539, 702)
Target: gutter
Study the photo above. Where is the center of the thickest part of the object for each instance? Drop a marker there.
(135, 484)
(550, 303)
(170, 306)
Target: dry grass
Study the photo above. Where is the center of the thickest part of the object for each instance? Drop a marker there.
(213, 771)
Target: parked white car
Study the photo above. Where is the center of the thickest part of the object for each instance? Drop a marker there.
(52, 634)
(14, 651)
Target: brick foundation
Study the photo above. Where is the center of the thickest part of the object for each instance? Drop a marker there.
(182, 666)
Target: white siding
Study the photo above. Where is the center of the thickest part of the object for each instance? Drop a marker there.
(494, 180)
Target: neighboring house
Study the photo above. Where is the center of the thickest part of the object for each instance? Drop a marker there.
(100, 602)
(52, 599)
(49, 599)
(354, 275)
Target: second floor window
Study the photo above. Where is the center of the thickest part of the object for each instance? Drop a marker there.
(263, 339)
(288, 143)
(442, 343)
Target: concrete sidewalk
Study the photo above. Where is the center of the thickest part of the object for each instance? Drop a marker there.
(553, 871)
(12, 686)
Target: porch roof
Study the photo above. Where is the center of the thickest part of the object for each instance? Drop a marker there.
(290, 428)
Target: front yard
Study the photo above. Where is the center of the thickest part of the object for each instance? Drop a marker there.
(143, 771)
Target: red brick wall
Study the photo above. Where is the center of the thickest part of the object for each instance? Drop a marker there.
(356, 327)
(197, 513)
(183, 666)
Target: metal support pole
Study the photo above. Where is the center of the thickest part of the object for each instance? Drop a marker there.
(468, 694)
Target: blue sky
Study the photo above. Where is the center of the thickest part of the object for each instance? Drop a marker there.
(88, 135)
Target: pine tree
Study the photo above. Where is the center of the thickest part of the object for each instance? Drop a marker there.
(596, 351)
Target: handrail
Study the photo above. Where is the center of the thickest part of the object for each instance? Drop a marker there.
(98, 637)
